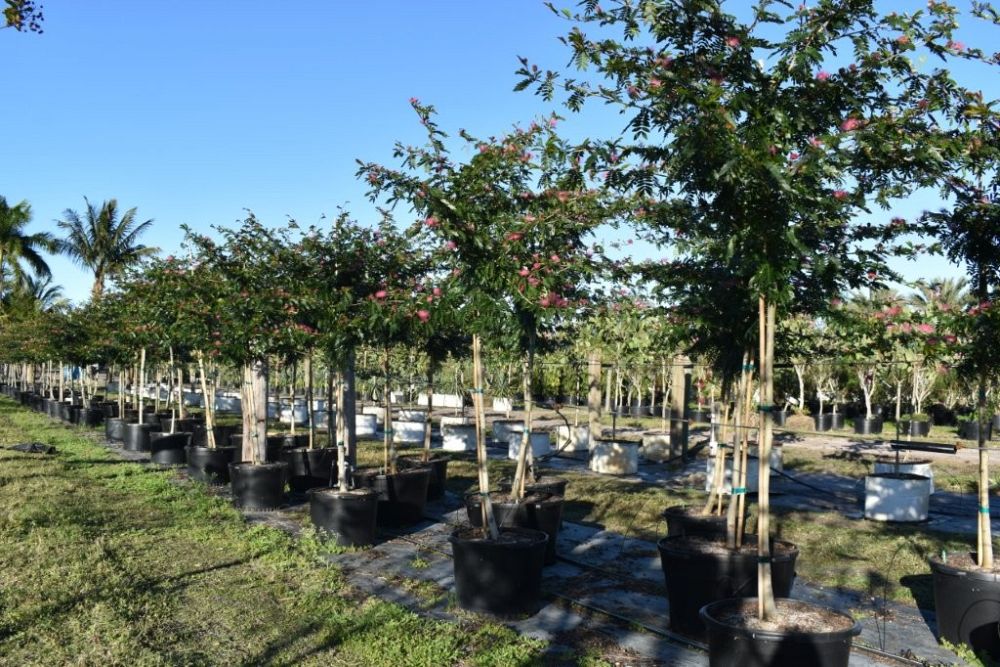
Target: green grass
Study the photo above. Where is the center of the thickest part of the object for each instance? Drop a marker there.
(108, 562)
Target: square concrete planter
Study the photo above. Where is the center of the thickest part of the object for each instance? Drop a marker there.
(897, 497)
(573, 438)
(541, 444)
(458, 437)
(614, 457)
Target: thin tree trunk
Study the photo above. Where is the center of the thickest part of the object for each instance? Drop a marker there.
(478, 400)
(765, 592)
(208, 401)
(430, 408)
(389, 439)
(594, 394)
(525, 451)
(255, 418)
(142, 381)
(348, 416)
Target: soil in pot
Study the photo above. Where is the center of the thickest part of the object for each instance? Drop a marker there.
(258, 487)
(967, 602)
(210, 465)
(501, 577)
(309, 468)
(700, 571)
(686, 520)
(137, 437)
(349, 516)
(438, 466)
(803, 634)
(538, 511)
(544, 484)
(168, 449)
(401, 497)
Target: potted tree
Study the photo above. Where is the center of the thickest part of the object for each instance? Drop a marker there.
(763, 158)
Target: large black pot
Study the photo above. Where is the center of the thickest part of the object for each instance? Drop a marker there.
(401, 497)
(310, 468)
(969, 430)
(66, 412)
(919, 429)
(967, 603)
(168, 449)
(110, 410)
(865, 426)
(76, 414)
(210, 465)
(273, 447)
(137, 437)
(439, 473)
(114, 429)
(185, 425)
(837, 420)
(555, 486)
(152, 418)
(91, 417)
(287, 440)
(996, 423)
(779, 417)
(501, 577)
(541, 512)
(199, 435)
(53, 409)
(639, 409)
(684, 520)
(699, 416)
(258, 487)
(349, 517)
(696, 577)
(730, 644)
(823, 422)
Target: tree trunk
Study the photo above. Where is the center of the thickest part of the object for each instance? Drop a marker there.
(430, 407)
(255, 412)
(478, 399)
(208, 401)
(311, 424)
(389, 439)
(765, 592)
(594, 394)
(350, 427)
(525, 452)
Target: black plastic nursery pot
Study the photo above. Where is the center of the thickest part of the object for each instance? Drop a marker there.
(698, 572)
(152, 418)
(109, 409)
(65, 412)
(348, 516)
(185, 425)
(918, 429)
(53, 408)
(137, 437)
(544, 484)
(169, 449)
(823, 422)
(541, 511)
(837, 420)
(199, 436)
(683, 520)
(401, 497)
(258, 487)
(996, 422)
(288, 440)
(969, 430)
(210, 464)
(76, 414)
(309, 468)
(779, 417)
(114, 429)
(439, 473)
(731, 643)
(865, 426)
(967, 603)
(501, 577)
(699, 416)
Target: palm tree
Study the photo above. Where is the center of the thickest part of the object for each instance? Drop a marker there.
(103, 242)
(32, 294)
(16, 246)
(952, 292)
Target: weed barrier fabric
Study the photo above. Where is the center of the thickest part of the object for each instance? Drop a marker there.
(32, 448)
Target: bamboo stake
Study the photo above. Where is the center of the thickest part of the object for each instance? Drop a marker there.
(489, 520)
(388, 439)
(309, 400)
(430, 408)
(208, 402)
(765, 593)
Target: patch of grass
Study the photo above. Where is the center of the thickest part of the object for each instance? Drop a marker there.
(109, 562)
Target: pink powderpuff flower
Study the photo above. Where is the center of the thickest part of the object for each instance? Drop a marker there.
(562, 196)
(524, 272)
(822, 75)
(450, 245)
(553, 122)
(793, 156)
(814, 142)
(554, 259)
(514, 236)
(906, 327)
(840, 194)
(429, 299)
(850, 124)
(544, 301)
(732, 42)
(655, 83)
(956, 46)
(925, 328)
(414, 100)
(423, 315)
(381, 294)
(437, 291)
(533, 281)
(431, 222)
(903, 40)
(633, 91)
(950, 339)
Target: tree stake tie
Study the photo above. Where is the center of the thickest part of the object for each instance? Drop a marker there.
(984, 509)
(765, 407)
(477, 390)
(739, 490)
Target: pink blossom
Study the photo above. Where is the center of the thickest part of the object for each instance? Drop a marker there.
(562, 196)
(544, 301)
(840, 194)
(903, 40)
(950, 339)
(381, 294)
(925, 328)
(814, 142)
(450, 245)
(524, 272)
(793, 156)
(429, 299)
(431, 222)
(553, 122)
(555, 259)
(437, 291)
(514, 236)
(732, 42)
(423, 315)
(533, 281)
(850, 124)
(633, 91)
(822, 75)
(956, 46)
(655, 83)
(906, 327)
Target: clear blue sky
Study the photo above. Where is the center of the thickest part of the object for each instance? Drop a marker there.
(193, 110)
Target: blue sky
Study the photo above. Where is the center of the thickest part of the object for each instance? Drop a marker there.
(193, 111)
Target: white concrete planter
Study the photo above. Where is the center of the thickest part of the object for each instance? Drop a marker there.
(897, 497)
(541, 444)
(273, 409)
(656, 446)
(614, 457)
(455, 421)
(376, 410)
(320, 419)
(502, 428)
(193, 399)
(412, 415)
(458, 437)
(573, 438)
(228, 404)
(299, 413)
(441, 400)
(396, 397)
(922, 468)
(365, 426)
(503, 405)
(753, 469)
(408, 432)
